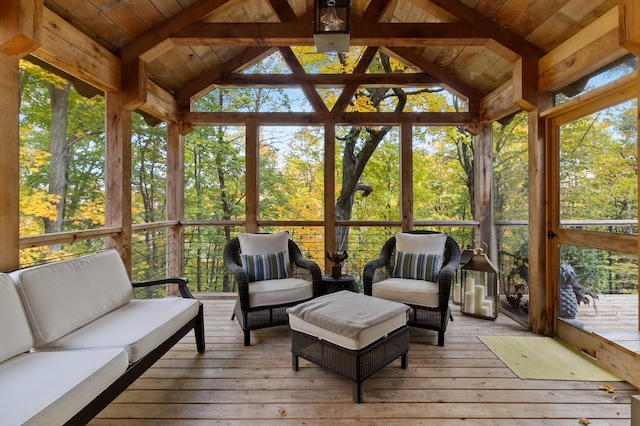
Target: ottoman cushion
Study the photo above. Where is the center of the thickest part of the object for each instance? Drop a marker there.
(350, 320)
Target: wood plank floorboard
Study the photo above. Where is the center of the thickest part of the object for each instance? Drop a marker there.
(462, 383)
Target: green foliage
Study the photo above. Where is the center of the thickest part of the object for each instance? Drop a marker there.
(598, 166)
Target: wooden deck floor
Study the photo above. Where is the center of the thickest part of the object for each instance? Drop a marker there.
(462, 383)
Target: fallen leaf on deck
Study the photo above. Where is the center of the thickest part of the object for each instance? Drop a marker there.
(608, 388)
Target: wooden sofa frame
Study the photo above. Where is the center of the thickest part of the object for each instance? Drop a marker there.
(136, 369)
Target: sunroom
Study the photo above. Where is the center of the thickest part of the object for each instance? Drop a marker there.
(164, 128)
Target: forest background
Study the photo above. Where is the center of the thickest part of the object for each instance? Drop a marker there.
(62, 175)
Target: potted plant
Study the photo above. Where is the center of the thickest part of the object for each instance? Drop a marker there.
(572, 293)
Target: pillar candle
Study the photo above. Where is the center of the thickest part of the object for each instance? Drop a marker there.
(469, 302)
(478, 298)
(457, 289)
(487, 308)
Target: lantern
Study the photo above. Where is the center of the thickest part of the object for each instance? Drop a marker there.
(479, 291)
(456, 294)
(331, 26)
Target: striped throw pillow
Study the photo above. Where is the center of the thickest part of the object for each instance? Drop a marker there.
(262, 267)
(417, 266)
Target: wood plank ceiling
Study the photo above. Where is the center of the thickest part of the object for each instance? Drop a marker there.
(468, 45)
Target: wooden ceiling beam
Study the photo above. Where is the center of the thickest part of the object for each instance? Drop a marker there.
(155, 42)
(315, 118)
(248, 56)
(525, 84)
(161, 104)
(498, 104)
(629, 18)
(200, 85)
(301, 34)
(20, 26)
(328, 80)
(283, 9)
(308, 89)
(71, 51)
(592, 48)
(359, 71)
(451, 83)
(489, 28)
(375, 10)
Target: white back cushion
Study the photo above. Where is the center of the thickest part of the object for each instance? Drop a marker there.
(63, 296)
(255, 244)
(252, 244)
(421, 243)
(15, 335)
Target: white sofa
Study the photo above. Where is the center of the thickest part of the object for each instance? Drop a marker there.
(73, 337)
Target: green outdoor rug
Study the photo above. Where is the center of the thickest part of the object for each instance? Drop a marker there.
(545, 358)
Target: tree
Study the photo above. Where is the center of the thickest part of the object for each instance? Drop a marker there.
(61, 133)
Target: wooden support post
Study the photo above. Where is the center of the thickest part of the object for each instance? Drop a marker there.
(9, 164)
(252, 167)
(118, 175)
(20, 26)
(329, 192)
(175, 201)
(541, 263)
(483, 181)
(406, 176)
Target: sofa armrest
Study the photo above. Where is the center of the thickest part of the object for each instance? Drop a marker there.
(181, 281)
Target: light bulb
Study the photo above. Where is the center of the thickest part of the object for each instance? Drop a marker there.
(330, 20)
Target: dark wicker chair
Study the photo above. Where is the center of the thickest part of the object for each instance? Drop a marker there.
(433, 318)
(256, 317)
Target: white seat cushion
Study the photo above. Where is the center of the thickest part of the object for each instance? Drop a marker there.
(279, 292)
(49, 388)
(137, 327)
(63, 296)
(15, 335)
(414, 292)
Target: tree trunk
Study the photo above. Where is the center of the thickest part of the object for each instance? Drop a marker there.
(355, 161)
(59, 149)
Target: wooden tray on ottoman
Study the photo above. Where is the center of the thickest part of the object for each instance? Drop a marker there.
(356, 365)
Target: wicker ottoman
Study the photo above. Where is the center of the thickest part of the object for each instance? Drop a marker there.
(349, 333)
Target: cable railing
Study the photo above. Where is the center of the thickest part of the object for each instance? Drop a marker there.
(204, 243)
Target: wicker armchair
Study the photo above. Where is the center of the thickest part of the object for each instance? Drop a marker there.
(250, 308)
(435, 317)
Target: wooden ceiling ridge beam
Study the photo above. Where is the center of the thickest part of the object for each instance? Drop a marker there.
(157, 41)
(301, 34)
(455, 85)
(489, 28)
